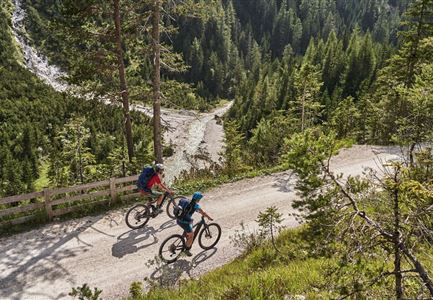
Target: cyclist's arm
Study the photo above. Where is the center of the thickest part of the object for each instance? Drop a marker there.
(164, 188)
(204, 214)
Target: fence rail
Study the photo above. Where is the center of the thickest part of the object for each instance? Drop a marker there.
(52, 203)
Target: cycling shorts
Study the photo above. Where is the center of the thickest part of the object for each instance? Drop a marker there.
(185, 226)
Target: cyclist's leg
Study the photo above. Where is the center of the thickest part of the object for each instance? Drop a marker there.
(189, 239)
(157, 195)
(147, 196)
(151, 195)
(187, 227)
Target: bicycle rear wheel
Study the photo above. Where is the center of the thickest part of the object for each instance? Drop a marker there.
(171, 248)
(137, 216)
(209, 236)
(170, 206)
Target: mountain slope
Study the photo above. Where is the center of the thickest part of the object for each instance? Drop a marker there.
(33, 115)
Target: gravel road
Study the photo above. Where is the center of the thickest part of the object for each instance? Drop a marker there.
(101, 251)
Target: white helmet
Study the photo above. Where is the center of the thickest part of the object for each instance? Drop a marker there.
(159, 167)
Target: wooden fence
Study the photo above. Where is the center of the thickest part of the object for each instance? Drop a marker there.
(51, 203)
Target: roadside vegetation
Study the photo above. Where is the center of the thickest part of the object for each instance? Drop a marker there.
(364, 237)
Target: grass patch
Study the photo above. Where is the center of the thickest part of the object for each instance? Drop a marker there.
(264, 274)
(261, 274)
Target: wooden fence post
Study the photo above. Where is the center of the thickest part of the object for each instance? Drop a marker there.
(47, 203)
(113, 193)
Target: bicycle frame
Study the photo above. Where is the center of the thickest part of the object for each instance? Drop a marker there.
(166, 195)
(197, 229)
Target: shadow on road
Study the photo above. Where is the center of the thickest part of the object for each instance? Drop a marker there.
(35, 256)
(131, 241)
(127, 242)
(168, 275)
(285, 183)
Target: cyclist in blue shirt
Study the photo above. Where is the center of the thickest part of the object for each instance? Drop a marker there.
(187, 221)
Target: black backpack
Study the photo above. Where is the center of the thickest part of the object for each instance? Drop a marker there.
(180, 212)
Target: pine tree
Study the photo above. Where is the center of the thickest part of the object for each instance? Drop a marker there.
(333, 64)
(74, 164)
(93, 32)
(419, 25)
(307, 85)
(233, 147)
(393, 107)
(344, 119)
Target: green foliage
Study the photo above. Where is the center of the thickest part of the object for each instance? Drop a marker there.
(417, 127)
(233, 148)
(345, 119)
(395, 103)
(269, 220)
(267, 138)
(85, 293)
(248, 50)
(136, 290)
(180, 95)
(32, 119)
(305, 154)
(268, 223)
(350, 214)
(307, 87)
(75, 160)
(260, 274)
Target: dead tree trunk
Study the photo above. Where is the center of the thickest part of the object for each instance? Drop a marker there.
(396, 241)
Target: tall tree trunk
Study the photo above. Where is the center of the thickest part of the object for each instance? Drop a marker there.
(123, 84)
(156, 82)
(411, 150)
(397, 253)
(80, 157)
(303, 112)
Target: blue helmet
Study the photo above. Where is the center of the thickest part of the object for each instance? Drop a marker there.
(197, 196)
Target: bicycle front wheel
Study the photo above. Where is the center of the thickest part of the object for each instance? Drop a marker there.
(209, 236)
(137, 216)
(171, 248)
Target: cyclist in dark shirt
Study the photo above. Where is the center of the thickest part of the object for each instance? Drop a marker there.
(187, 221)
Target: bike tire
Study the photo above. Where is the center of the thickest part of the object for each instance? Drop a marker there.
(140, 213)
(212, 229)
(175, 244)
(170, 207)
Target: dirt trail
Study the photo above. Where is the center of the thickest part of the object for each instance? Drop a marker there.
(46, 263)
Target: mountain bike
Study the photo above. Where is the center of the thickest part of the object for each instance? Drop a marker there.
(174, 245)
(138, 215)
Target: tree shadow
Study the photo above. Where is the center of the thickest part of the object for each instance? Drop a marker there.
(285, 183)
(168, 275)
(36, 256)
